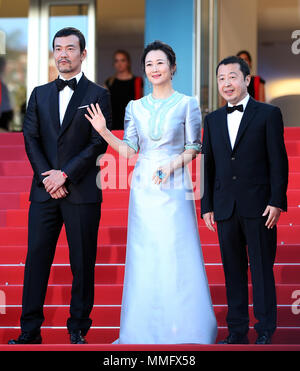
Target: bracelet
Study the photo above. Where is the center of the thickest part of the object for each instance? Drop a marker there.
(64, 174)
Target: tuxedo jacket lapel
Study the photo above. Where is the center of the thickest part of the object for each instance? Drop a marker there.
(247, 117)
(74, 103)
(54, 107)
(224, 127)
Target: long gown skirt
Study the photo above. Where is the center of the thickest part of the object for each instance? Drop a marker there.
(166, 297)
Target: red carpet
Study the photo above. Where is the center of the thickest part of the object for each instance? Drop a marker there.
(15, 180)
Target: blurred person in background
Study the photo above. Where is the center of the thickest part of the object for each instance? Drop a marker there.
(256, 87)
(6, 111)
(123, 87)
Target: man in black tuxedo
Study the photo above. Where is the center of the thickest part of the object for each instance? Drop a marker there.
(63, 148)
(245, 184)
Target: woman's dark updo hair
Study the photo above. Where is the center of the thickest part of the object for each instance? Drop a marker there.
(159, 45)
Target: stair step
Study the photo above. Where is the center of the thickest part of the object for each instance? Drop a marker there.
(115, 254)
(120, 198)
(108, 336)
(290, 133)
(23, 183)
(10, 201)
(114, 274)
(109, 316)
(118, 217)
(23, 167)
(287, 294)
(293, 147)
(15, 182)
(117, 235)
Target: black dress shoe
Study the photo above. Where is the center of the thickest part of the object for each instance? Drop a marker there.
(235, 339)
(263, 338)
(77, 338)
(27, 338)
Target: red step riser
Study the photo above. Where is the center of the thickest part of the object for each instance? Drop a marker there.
(115, 254)
(294, 164)
(290, 133)
(108, 254)
(117, 235)
(62, 275)
(61, 336)
(108, 336)
(111, 274)
(112, 200)
(118, 217)
(110, 316)
(23, 168)
(15, 168)
(9, 201)
(293, 147)
(112, 294)
(9, 139)
(13, 153)
(17, 152)
(23, 183)
(19, 218)
(61, 294)
(16, 194)
(106, 236)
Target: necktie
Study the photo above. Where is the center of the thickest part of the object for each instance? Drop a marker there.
(61, 84)
(234, 108)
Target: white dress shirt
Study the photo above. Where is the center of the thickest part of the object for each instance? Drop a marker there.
(234, 120)
(64, 97)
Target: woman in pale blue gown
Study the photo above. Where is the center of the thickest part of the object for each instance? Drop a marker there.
(166, 297)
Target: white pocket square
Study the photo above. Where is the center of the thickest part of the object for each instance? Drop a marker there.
(83, 106)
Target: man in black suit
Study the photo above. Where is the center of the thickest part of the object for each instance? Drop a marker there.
(245, 184)
(63, 148)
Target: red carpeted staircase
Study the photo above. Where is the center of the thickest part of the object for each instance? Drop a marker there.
(15, 180)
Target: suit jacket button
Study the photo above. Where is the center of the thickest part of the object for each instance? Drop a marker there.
(234, 177)
(232, 158)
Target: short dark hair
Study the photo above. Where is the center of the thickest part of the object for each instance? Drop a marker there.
(159, 45)
(234, 59)
(67, 31)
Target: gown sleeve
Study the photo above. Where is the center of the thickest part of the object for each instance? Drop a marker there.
(193, 126)
(130, 133)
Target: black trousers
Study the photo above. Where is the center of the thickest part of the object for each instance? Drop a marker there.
(44, 225)
(235, 235)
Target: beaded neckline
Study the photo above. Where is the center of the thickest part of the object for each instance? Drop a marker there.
(158, 109)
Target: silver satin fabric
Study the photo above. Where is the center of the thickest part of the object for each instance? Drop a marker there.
(166, 297)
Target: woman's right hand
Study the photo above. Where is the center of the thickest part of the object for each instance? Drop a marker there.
(96, 118)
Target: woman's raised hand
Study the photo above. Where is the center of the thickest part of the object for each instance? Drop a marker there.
(96, 118)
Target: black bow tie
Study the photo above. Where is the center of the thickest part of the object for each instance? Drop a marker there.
(233, 108)
(60, 83)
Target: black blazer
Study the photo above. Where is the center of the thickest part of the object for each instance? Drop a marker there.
(254, 173)
(72, 147)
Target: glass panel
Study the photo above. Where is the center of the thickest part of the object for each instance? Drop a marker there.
(65, 16)
(13, 63)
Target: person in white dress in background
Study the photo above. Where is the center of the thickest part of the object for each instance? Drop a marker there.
(166, 297)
